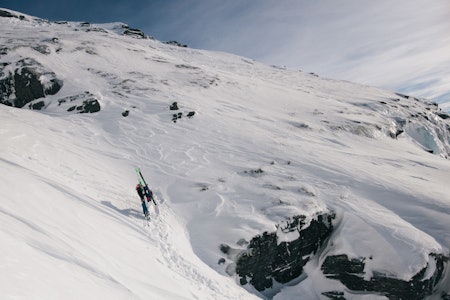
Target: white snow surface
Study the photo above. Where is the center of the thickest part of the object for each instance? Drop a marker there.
(71, 225)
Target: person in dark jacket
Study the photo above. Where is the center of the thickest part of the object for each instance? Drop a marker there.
(140, 192)
(149, 194)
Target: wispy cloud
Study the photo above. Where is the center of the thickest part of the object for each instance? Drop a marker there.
(401, 45)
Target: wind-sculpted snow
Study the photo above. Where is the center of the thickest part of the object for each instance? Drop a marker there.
(247, 148)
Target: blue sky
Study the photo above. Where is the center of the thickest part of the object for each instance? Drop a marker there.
(402, 45)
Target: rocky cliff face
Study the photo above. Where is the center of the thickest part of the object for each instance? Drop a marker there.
(26, 83)
(268, 258)
(269, 261)
(278, 257)
(26, 80)
(351, 273)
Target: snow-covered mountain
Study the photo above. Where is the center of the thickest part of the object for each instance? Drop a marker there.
(270, 183)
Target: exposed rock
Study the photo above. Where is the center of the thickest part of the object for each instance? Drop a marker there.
(27, 87)
(175, 43)
(256, 172)
(267, 260)
(96, 29)
(443, 115)
(184, 66)
(6, 89)
(177, 116)
(7, 14)
(37, 106)
(87, 103)
(136, 33)
(29, 81)
(300, 125)
(89, 106)
(272, 186)
(80, 103)
(395, 134)
(126, 113)
(351, 273)
(43, 49)
(225, 248)
(402, 95)
(334, 295)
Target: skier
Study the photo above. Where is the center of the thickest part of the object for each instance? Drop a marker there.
(141, 196)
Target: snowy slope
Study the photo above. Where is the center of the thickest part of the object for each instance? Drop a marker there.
(71, 224)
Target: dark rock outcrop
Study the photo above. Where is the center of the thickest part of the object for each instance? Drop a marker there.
(177, 116)
(81, 103)
(443, 115)
(255, 173)
(89, 106)
(43, 49)
(37, 106)
(96, 29)
(136, 33)
(175, 43)
(7, 14)
(267, 260)
(351, 273)
(334, 295)
(29, 81)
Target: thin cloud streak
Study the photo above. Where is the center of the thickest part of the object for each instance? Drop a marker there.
(399, 45)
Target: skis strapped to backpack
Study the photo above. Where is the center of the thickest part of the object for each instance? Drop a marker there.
(148, 193)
